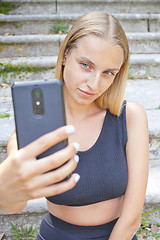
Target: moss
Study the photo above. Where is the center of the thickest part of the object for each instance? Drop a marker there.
(9, 44)
(135, 76)
(14, 70)
(17, 25)
(4, 115)
(2, 44)
(2, 23)
(60, 27)
(14, 24)
(6, 7)
(131, 75)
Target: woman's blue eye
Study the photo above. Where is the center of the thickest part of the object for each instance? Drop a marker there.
(85, 65)
(108, 73)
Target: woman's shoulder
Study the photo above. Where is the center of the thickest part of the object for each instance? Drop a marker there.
(135, 114)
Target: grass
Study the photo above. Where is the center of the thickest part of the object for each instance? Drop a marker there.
(4, 115)
(2, 23)
(14, 70)
(23, 233)
(135, 76)
(17, 25)
(146, 228)
(60, 27)
(6, 7)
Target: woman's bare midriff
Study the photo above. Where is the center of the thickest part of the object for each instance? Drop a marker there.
(89, 215)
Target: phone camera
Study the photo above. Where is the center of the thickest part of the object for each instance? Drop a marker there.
(37, 93)
(37, 102)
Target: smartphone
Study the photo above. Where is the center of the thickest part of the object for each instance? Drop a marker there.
(38, 109)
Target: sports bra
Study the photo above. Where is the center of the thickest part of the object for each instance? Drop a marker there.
(103, 167)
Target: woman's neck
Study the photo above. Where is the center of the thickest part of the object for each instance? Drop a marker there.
(79, 111)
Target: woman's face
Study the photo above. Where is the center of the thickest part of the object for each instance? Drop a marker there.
(90, 68)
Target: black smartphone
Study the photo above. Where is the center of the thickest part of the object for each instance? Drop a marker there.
(38, 109)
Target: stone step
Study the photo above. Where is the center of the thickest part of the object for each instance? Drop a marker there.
(24, 7)
(42, 24)
(143, 92)
(114, 6)
(48, 45)
(36, 209)
(30, 216)
(141, 66)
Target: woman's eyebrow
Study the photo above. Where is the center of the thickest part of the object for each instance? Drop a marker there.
(113, 69)
(88, 60)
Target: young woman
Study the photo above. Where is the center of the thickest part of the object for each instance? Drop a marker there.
(107, 202)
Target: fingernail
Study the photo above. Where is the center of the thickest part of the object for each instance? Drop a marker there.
(76, 145)
(76, 158)
(70, 129)
(77, 177)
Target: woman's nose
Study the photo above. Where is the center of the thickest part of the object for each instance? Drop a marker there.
(93, 81)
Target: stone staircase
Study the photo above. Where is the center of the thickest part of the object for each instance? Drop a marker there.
(18, 43)
(26, 39)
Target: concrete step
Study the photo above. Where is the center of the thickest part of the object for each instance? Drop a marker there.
(36, 209)
(31, 216)
(143, 92)
(147, 94)
(42, 24)
(141, 66)
(81, 6)
(30, 45)
(113, 6)
(48, 45)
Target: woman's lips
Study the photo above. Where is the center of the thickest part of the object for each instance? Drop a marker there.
(87, 94)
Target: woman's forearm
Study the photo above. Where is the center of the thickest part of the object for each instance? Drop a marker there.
(8, 200)
(12, 208)
(124, 229)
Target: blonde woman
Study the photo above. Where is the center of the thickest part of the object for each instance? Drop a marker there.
(107, 201)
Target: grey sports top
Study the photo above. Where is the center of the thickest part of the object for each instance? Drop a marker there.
(103, 168)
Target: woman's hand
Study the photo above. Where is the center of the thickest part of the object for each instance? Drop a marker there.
(22, 177)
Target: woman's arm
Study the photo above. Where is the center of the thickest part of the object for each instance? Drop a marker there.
(137, 152)
(22, 177)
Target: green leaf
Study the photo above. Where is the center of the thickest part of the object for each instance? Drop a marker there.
(24, 233)
(156, 235)
(30, 229)
(152, 211)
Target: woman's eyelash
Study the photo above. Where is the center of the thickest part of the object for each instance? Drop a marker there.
(85, 65)
(110, 73)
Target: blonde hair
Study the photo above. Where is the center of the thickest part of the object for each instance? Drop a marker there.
(103, 25)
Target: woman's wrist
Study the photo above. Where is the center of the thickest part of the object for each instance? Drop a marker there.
(12, 208)
(123, 231)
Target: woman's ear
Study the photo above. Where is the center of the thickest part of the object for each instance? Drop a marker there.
(65, 57)
(64, 60)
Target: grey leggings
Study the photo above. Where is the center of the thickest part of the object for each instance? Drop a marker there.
(53, 228)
